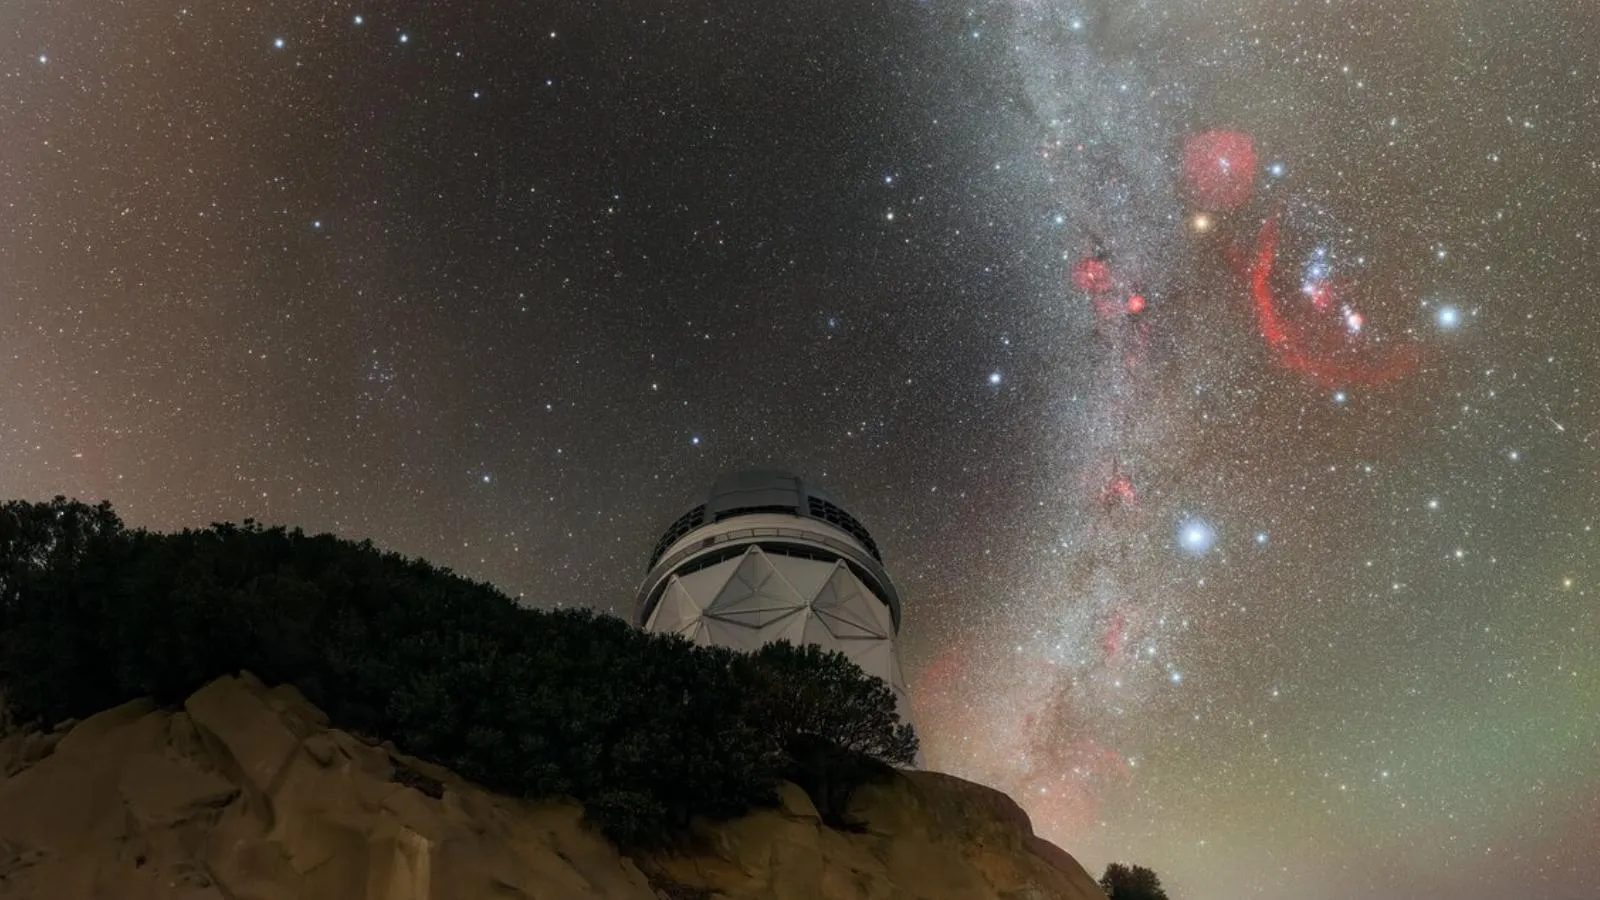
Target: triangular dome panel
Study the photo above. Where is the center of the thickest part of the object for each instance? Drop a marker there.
(844, 625)
(696, 633)
(830, 592)
(791, 628)
(754, 586)
(816, 632)
(842, 588)
(704, 584)
(806, 576)
(728, 634)
(846, 600)
(755, 618)
(675, 610)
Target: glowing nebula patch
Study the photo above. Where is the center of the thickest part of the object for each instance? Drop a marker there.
(1219, 169)
(1092, 275)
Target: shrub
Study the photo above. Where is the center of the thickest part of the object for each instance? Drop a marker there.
(647, 731)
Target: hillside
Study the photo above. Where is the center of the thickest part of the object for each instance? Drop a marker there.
(248, 793)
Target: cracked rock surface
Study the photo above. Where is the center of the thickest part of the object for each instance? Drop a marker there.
(247, 793)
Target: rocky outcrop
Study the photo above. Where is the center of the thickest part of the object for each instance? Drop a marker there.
(247, 793)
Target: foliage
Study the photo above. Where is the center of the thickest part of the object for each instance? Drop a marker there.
(806, 690)
(647, 731)
(837, 729)
(1125, 882)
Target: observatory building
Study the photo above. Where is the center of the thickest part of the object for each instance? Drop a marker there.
(769, 556)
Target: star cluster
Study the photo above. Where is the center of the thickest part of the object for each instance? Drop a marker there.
(1218, 379)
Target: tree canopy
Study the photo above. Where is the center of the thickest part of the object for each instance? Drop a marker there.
(1128, 882)
(647, 731)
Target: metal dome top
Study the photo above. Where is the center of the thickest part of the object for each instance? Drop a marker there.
(755, 491)
(760, 487)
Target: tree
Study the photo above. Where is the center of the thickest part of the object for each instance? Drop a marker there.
(795, 691)
(38, 537)
(1126, 882)
(646, 731)
(837, 726)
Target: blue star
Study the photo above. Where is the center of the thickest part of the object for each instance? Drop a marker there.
(1196, 536)
(1448, 318)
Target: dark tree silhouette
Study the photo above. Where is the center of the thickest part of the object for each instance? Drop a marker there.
(837, 729)
(647, 731)
(806, 690)
(1127, 882)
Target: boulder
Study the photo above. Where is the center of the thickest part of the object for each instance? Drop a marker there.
(249, 793)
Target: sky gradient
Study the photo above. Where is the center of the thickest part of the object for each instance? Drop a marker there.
(1218, 378)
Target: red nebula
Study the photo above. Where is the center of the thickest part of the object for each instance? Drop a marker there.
(1093, 275)
(1116, 633)
(1018, 731)
(1119, 491)
(1320, 348)
(1219, 169)
(1136, 304)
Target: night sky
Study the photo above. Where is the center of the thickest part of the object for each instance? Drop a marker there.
(1219, 378)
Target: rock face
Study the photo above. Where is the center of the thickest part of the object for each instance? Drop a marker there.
(248, 794)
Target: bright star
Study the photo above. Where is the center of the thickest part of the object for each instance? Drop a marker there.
(405, 38)
(43, 59)
(1340, 397)
(277, 43)
(1275, 170)
(1196, 536)
(1448, 318)
(695, 440)
(994, 379)
(360, 20)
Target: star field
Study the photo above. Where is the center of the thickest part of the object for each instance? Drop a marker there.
(1218, 378)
